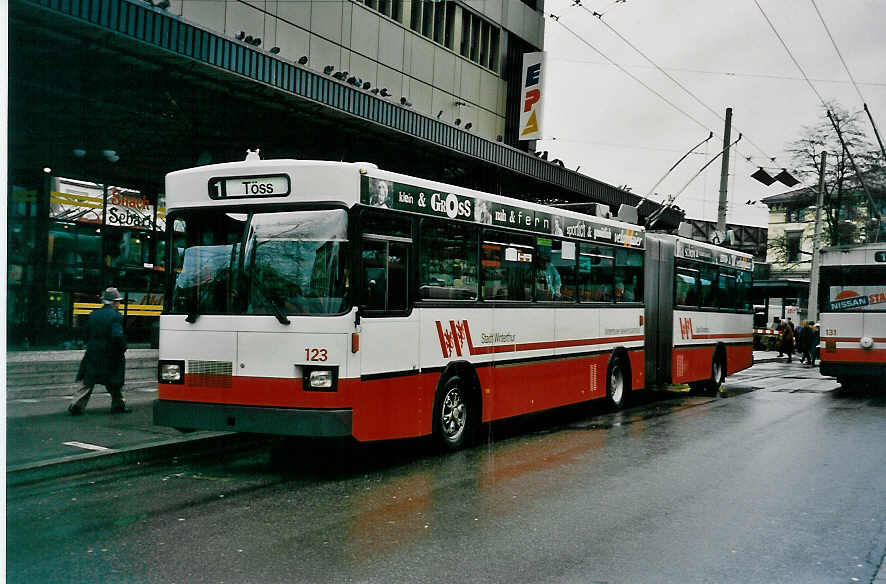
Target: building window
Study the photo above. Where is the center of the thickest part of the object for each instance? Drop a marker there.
(793, 246)
(390, 8)
(479, 41)
(796, 215)
(437, 21)
(433, 20)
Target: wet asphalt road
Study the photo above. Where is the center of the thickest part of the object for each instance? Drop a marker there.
(784, 480)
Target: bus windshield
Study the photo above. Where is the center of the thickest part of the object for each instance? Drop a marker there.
(282, 263)
(852, 288)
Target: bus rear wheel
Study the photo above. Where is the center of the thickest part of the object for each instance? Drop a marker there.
(453, 414)
(618, 385)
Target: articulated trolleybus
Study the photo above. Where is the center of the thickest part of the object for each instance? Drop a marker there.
(312, 298)
(852, 298)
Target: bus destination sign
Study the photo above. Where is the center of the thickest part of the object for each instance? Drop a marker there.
(249, 187)
(381, 193)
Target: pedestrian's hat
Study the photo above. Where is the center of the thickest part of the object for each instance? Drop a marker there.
(111, 295)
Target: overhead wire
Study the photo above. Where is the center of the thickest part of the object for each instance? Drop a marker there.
(851, 78)
(837, 49)
(616, 145)
(729, 73)
(654, 217)
(790, 54)
(648, 59)
(873, 207)
(556, 19)
(670, 202)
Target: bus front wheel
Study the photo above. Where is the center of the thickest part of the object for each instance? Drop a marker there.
(453, 414)
(711, 386)
(618, 386)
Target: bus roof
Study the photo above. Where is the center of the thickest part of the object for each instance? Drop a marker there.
(860, 254)
(255, 181)
(710, 253)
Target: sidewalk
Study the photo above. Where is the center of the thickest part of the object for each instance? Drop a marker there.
(44, 440)
(766, 357)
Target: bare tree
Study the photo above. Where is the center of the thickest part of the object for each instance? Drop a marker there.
(843, 198)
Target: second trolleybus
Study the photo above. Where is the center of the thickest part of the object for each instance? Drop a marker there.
(314, 298)
(852, 299)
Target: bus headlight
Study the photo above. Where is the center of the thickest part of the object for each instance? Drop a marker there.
(320, 378)
(171, 372)
(867, 342)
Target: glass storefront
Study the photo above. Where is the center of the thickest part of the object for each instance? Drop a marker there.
(69, 239)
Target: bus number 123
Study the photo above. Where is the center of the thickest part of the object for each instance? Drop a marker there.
(316, 354)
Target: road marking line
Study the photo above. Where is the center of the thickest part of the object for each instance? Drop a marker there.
(85, 445)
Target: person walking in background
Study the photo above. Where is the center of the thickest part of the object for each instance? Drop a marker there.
(104, 362)
(816, 339)
(787, 341)
(793, 332)
(779, 329)
(804, 340)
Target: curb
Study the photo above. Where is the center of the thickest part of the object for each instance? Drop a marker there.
(28, 473)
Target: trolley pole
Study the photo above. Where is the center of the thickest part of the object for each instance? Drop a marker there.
(812, 308)
(724, 176)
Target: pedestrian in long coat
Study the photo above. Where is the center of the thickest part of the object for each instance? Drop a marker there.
(803, 336)
(104, 362)
(787, 341)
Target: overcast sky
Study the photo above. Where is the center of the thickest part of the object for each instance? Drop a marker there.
(725, 53)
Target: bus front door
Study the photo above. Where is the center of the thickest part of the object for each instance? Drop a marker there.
(389, 330)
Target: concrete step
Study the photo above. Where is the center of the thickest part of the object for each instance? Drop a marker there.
(20, 367)
(67, 375)
(44, 373)
(68, 389)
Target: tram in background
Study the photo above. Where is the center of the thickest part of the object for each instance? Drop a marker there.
(852, 302)
(317, 298)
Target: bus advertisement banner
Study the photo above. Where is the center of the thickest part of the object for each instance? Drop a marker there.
(402, 197)
(857, 298)
(708, 255)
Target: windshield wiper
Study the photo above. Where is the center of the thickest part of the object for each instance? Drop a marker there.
(193, 313)
(278, 312)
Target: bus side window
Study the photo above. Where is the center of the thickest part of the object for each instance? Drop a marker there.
(385, 275)
(398, 280)
(507, 266)
(686, 292)
(727, 289)
(595, 274)
(707, 277)
(628, 275)
(375, 282)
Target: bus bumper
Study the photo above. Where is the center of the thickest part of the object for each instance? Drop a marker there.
(261, 420)
(871, 371)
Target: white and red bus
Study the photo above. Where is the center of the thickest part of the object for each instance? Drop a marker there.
(852, 293)
(336, 299)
